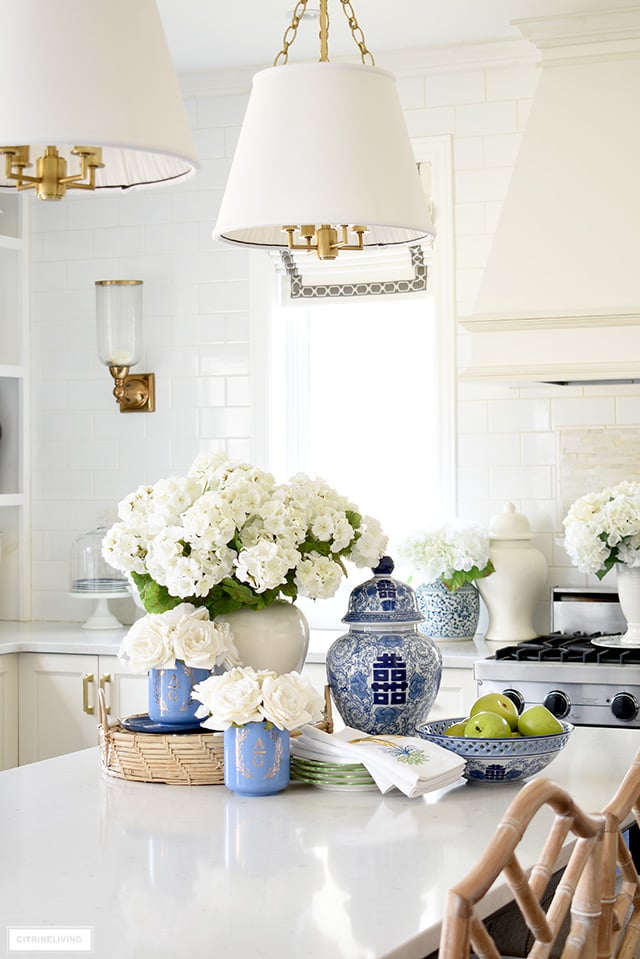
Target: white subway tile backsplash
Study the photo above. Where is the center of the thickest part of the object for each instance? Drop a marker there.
(228, 422)
(470, 219)
(512, 82)
(531, 482)
(522, 415)
(583, 411)
(501, 150)
(486, 118)
(474, 185)
(628, 409)
(426, 123)
(221, 111)
(222, 297)
(500, 449)
(468, 153)
(199, 391)
(117, 241)
(238, 390)
(450, 89)
(411, 91)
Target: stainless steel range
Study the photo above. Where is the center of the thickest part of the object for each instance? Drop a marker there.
(576, 677)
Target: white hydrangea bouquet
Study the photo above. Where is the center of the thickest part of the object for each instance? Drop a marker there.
(602, 529)
(456, 553)
(227, 536)
(185, 634)
(244, 695)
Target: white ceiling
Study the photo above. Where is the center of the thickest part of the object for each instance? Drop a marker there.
(222, 34)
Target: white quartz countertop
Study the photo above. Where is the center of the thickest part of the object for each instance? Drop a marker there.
(55, 637)
(181, 871)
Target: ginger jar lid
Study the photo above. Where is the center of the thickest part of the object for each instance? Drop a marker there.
(509, 525)
(383, 600)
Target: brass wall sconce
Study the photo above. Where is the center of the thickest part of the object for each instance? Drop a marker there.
(119, 327)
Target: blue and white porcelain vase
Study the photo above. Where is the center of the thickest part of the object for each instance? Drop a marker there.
(384, 675)
(256, 759)
(448, 616)
(170, 699)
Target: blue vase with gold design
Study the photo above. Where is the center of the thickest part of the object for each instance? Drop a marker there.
(384, 674)
(256, 759)
(170, 689)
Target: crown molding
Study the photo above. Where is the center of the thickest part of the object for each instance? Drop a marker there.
(402, 63)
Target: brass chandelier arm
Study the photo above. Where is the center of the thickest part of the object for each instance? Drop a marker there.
(327, 245)
(51, 181)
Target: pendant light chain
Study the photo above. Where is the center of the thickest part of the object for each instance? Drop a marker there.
(356, 32)
(292, 31)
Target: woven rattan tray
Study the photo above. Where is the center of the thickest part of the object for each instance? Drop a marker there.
(188, 759)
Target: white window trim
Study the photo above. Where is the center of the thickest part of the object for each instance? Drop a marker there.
(437, 152)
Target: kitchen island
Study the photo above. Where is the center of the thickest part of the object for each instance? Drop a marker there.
(176, 871)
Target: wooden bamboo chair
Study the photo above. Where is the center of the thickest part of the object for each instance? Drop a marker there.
(619, 932)
(577, 895)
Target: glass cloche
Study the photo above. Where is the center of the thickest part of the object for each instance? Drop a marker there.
(90, 573)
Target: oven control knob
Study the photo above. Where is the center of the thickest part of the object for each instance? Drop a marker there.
(558, 703)
(516, 698)
(624, 706)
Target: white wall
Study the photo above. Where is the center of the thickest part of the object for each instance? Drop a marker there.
(86, 455)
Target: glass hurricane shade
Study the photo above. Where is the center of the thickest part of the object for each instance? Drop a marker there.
(75, 72)
(323, 143)
(119, 321)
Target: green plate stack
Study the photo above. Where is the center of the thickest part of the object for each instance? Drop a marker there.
(324, 775)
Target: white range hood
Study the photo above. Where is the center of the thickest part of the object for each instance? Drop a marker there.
(560, 296)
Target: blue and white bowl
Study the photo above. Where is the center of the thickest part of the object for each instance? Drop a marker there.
(498, 760)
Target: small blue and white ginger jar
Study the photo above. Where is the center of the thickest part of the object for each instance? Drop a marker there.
(448, 616)
(384, 675)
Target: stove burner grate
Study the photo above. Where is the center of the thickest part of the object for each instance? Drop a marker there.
(568, 648)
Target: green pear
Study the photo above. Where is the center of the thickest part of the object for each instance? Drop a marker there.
(538, 721)
(497, 703)
(456, 729)
(487, 725)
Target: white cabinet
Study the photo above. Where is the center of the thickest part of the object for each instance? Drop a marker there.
(8, 711)
(58, 697)
(15, 590)
(457, 693)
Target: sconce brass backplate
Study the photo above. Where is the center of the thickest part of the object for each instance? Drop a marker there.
(138, 393)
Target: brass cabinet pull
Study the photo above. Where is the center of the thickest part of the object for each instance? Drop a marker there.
(105, 680)
(87, 679)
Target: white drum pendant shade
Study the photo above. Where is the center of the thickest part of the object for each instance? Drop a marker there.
(93, 73)
(323, 143)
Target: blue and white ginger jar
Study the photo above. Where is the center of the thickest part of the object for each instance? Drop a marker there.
(384, 674)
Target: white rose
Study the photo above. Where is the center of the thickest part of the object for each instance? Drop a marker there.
(231, 698)
(289, 701)
(201, 643)
(147, 644)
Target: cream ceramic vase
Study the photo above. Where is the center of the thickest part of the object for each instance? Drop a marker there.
(276, 637)
(629, 595)
(511, 592)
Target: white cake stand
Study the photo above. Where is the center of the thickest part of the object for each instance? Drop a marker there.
(101, 617)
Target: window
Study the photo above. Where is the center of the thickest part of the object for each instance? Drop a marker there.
(359, 390)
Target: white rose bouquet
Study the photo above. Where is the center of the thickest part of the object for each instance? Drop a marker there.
(243, 695)
(227, 536)
(185, 633)
(602, 529)
(455, 554)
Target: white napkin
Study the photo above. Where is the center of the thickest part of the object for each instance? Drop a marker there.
(412, 765)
